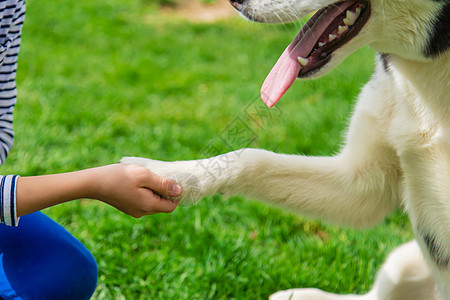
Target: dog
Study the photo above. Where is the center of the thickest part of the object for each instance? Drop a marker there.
(397, 149)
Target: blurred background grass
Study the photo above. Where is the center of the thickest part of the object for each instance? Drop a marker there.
(99, 80)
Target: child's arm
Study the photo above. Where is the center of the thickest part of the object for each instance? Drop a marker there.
(132, 189)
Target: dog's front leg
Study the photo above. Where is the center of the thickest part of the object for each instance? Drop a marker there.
(326, 187)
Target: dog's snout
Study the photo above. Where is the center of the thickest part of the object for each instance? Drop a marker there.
(236, 3)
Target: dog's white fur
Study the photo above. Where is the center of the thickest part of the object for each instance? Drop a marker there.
(397, 152)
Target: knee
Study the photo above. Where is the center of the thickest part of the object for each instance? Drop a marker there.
(66, 271)
(41, 260)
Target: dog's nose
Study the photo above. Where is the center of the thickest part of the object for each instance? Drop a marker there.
(236, 3)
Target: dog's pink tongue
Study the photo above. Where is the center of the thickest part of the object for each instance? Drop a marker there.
(283, 74)
(280, 78)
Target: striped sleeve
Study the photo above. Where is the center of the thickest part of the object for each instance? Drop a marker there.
(12, 15)
(8, 214)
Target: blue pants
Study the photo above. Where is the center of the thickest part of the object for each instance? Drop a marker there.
(39, 259)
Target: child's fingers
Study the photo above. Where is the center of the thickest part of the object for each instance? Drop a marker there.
(160, 204)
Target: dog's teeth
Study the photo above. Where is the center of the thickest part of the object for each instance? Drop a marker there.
(348, 22)
(320, 44)
(350, 18)
(303, 61)
(358, 11)
(331, 37)
(342, 29)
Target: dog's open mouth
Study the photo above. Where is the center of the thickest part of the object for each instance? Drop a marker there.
(327, 30)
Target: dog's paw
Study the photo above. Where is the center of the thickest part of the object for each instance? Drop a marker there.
(303, 294)
(181, 172)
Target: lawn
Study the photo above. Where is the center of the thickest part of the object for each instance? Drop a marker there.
(99, 80)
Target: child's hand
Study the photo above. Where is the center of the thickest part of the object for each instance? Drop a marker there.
(130, 188)
(134, 190)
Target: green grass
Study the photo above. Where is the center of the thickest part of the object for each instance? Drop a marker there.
(99, 80)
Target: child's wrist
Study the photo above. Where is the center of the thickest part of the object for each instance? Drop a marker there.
(90, 183)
